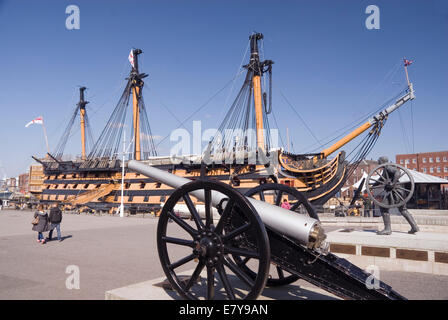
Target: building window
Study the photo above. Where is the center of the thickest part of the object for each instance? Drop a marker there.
(444, 159)
(439, 170)
(430, 160)
(437, 159)
(414, 161)
(406, 161)
(424, 160)
(424, 170)
(401, 161)
(445, 169)
(431, 170)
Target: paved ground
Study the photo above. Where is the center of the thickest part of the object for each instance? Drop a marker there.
(113, 252)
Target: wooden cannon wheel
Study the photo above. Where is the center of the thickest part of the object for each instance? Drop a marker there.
(388, 191)
(299, 203)
(205, 248)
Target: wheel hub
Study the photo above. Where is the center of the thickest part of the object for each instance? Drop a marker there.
(388, 187)
(208, 246)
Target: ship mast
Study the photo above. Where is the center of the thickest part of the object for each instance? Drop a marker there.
(82, 114)
(137, 85)
(257, 69)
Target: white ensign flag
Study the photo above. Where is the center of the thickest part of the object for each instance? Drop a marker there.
(131, 58)
(38, 120)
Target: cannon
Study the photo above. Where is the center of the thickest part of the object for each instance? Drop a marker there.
(229, 256)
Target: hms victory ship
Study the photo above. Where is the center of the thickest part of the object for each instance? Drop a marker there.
(100, 180)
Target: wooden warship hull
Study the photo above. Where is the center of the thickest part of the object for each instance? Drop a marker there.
(98, 185)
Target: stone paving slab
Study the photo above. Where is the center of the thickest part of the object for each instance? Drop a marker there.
(155, 289)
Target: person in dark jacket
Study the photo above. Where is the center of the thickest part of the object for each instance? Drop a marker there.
(55, 221)
(42, 225)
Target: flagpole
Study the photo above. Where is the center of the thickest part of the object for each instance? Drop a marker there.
(45, 134)
(406, 70)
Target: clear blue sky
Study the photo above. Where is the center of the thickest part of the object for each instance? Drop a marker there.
(328, 65)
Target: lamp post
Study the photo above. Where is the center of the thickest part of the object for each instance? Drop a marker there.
(125, 151)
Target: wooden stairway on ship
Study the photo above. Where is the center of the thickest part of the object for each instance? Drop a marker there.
(92, 195)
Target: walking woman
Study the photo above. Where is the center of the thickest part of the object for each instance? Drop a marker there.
(40, 223)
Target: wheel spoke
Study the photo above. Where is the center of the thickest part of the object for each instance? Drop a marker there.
(208, 207)
(181, 242)
(236, 232)
(183, 224)
(280, 273)
(195, 275)
(386, 173)
(392, 198)
(225, 281)
(404, 189)
(210, 283)
(399, 195)
(197, 219)
(181, 262)
(376, 181)
(224, 216)
(244, 261)
(278, 198)
(384, 197)
(379, 174)
(237, 271)
(241, 252)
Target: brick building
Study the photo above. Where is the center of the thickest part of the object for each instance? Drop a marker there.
(11, 184)
(432, 163)
(24, 180)
(36, 180)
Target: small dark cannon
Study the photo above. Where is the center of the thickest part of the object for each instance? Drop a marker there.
(230, 257)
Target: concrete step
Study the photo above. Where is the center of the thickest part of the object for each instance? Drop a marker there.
(425, 252)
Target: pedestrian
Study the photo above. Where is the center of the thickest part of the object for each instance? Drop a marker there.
(40, 223)
(367, 206)
(55, 221)
(286, 205)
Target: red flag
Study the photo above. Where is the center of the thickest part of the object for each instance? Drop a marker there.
(38, 120)
(131, 58)
(407, 62)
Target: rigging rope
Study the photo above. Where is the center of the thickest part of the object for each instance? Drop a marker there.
(301, 119)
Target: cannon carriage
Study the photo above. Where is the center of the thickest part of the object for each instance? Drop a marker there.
(229, 255)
